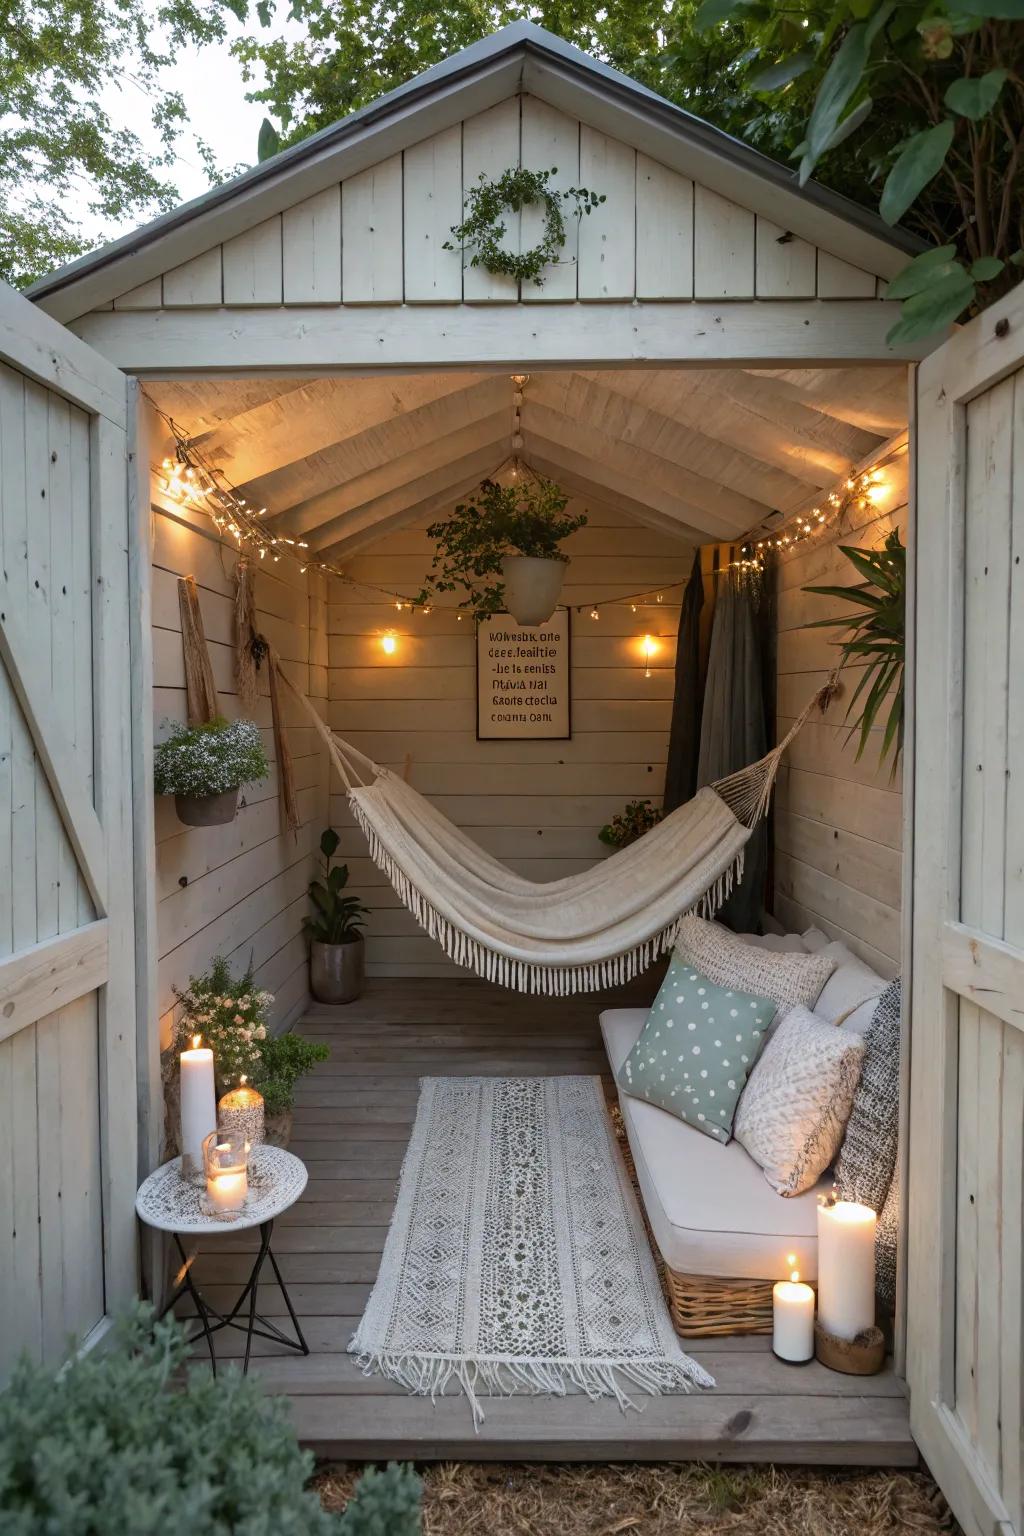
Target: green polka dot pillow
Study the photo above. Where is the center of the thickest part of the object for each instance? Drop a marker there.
(697, 1049)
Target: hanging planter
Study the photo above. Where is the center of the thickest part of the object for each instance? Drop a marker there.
(204, 767)
(502, 549)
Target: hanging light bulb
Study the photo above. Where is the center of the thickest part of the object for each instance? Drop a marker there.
(389, 642)
(649, 647)
(594, 613)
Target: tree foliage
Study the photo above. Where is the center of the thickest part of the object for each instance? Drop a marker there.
(60, 148)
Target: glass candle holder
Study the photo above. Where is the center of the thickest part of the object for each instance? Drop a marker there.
(241, 1110)
(226, 1164)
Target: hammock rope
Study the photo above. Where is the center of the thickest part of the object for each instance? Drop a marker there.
(586, 932)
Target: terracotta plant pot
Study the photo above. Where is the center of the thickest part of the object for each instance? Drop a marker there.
(277, 1129)
(207, 810)
(336, 971)
(532, 587)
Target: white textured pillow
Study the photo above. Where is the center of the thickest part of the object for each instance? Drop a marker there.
(851, 984)
(792, 1115)
(780, 943)
(789, 979)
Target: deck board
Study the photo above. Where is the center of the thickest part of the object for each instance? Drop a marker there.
(352, 1122)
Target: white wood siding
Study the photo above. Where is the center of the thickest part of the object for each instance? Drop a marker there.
(658, 236)
(838, 823)
(535, 805)
(238, 890)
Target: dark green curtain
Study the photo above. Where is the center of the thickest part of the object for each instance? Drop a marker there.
(684, 737)
(733, 729)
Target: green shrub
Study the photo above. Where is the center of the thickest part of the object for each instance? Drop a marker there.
(101, 1448)
(283, 1060)
(385, 1504)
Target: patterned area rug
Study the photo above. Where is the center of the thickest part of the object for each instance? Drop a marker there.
(517, 1259)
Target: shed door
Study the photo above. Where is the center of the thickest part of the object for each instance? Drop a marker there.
(68, 1097)
(964, 1207)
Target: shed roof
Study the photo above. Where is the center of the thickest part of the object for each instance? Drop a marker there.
(520, 57)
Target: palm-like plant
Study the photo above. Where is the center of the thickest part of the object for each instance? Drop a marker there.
(876, 635)
(336, 918)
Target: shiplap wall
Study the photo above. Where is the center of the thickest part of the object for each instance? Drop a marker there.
(838, 822)
(535, 805)
(238, 890)
(379, 237)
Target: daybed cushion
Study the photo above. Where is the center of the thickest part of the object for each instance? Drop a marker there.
(710, 1209)
(790, 978)
(851, 986)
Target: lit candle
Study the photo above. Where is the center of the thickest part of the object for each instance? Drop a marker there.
(226, 1189)
(846, 1268)
(241, 1111)
(793, 1319)
(198, 1104)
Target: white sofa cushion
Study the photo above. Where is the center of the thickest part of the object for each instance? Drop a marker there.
(710, 1209)
(851, 985)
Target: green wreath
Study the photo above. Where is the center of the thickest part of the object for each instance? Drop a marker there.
(483, 228)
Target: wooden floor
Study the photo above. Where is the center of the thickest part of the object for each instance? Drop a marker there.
(352, 1122)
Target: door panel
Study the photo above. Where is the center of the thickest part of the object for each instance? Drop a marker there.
(966, 1119)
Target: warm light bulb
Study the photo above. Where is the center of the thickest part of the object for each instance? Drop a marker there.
(594, 613)
(388, 644)
(650, 646)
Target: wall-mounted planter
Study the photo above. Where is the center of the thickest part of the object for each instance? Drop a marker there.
(336, 971)
(207, 810)
(533, 586)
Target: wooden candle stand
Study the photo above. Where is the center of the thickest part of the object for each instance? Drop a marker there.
(862, 1356)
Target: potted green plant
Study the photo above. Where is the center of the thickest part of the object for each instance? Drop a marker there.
(502, 548)
(204, 766)
(336, 949)
(283, 1060)
(638, 817)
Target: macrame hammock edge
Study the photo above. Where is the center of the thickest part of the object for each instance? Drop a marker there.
(507, 929)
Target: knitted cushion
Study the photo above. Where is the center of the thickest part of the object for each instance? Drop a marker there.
(865, 1167)
(795, 1106)
(789, 978)
(696, 1048)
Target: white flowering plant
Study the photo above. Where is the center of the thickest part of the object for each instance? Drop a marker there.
(231, 1018)
(209, 759)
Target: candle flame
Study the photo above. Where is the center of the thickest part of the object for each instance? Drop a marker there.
(242, 1081)
(795, 1276)
(197, 1041)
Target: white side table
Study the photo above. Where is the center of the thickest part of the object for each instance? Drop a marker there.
(165, 1201)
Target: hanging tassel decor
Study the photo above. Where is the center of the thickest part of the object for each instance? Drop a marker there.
(200, 692)
(285, 772)
(250, 647)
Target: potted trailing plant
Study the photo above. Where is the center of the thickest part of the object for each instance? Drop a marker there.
(336, 946)
(204, 766)
(876, 637)
(638, 817)
(502, 548)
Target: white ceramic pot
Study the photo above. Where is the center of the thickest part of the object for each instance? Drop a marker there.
(533, 586)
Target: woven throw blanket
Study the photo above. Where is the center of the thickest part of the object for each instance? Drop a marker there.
(517, 1258)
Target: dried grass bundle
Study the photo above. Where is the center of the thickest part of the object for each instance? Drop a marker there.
(285, 771)
(246, 632)
(200, 692)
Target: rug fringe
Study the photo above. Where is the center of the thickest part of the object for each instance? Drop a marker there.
(429, 1376)
(520, 975)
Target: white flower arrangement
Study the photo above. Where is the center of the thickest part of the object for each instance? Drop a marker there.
(209, 759)
(230, 1016)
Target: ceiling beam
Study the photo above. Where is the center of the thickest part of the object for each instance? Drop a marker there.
(345, 496)
(627, 417)
(577, 471)
(480, 460)
(874, 400)
(355, 543)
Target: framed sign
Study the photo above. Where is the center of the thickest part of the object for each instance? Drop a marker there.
(523, 679)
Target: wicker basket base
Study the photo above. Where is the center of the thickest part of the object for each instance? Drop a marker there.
(704, 1306)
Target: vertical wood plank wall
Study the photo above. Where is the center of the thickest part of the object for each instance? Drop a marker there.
(51, 1217)
(238, 890)
(838, 829)
(379, 237)
(538, 806)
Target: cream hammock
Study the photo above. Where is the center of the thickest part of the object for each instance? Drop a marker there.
(579, 934)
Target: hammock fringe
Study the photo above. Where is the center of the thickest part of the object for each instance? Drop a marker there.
(523, 975)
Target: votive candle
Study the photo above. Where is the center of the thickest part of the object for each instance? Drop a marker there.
(793, 1319)
(846, 1268)
(226, 1191)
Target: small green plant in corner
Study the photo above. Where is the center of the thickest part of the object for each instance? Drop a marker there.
(283, 1060)
(385, 1503)
(876, 638)
(527, 517)
(638, 817)
(336, 918)
(483, 228)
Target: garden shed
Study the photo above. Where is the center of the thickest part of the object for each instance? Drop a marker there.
(704, 372)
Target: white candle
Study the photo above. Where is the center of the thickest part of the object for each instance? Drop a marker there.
(793, 1319)
(846, 1268)
(227, 1191)
(198, 1101)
